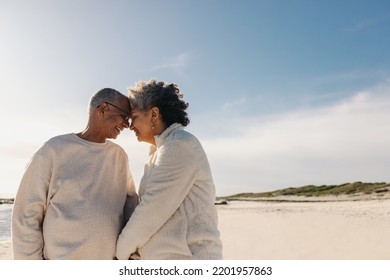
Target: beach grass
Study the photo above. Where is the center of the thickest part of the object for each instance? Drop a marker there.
(356, 188)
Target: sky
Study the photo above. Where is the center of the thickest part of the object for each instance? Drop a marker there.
(282, 93)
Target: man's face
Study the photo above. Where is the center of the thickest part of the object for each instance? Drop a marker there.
(117, 117)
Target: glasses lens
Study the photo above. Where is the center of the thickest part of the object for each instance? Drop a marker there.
(124, 114)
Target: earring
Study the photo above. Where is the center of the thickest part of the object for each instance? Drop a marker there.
(153, 123)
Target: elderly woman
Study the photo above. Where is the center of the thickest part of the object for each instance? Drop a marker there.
(176, 217)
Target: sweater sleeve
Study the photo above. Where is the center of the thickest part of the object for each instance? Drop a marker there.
(168, 183)
(29, 209)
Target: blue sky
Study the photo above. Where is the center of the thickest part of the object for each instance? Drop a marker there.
(282, 93)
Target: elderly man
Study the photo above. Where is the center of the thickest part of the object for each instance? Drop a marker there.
(77, 191)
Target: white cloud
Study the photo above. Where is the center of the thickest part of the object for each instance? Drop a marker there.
(176, 63)
(231, 105)
(349, 141)
(367, 23)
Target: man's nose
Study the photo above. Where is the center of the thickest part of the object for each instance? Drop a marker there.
(126, 123)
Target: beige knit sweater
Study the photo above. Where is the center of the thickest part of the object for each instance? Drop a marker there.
(71, 201)
(176, 217)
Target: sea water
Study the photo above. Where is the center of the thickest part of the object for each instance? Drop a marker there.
(5, 221)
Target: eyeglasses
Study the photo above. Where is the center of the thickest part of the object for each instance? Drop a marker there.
(125, 115)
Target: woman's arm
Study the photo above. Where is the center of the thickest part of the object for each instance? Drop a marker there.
(168, 183)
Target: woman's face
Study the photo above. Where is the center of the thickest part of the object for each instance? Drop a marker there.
(141, 124)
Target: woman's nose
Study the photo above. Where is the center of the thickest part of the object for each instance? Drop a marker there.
(131, 126)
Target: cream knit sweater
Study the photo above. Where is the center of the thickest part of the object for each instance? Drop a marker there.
(71, 200)
(176, 217)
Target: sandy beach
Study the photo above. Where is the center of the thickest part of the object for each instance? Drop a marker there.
(339, 230)
(5, 250)
(333, 230)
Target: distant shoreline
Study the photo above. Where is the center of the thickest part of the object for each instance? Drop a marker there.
(7, 200)
(281, 198)
(309, 199)
(357, 191)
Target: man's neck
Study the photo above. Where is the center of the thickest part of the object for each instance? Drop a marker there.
(91, 136)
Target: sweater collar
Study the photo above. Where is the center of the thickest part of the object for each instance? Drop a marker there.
(160, 138)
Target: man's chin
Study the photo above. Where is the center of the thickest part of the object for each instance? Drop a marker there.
(114, 136)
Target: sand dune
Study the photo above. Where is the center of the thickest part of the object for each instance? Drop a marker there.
(336, 230)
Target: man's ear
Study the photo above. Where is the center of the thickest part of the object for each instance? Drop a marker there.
(101, 108)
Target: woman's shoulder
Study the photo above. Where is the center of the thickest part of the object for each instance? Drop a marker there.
(182, 140)
(182, 135)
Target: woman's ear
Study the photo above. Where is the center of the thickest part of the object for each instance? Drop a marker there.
(155, 113)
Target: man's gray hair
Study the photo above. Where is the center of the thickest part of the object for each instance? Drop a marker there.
(104, 95)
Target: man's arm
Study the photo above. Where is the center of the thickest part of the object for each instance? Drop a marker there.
(28, 211)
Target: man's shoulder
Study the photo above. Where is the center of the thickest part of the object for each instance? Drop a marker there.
(54, 144)
(60, 139)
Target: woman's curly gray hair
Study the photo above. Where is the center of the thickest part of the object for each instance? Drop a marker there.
(166, 97)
